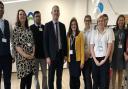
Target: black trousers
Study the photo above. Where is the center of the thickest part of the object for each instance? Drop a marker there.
(26, 82)
(86, 71)
(56, 66)
(74, 82)
(100, 74)
(6, 68)
(74, 71)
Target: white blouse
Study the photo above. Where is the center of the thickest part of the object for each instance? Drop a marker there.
(101, 40)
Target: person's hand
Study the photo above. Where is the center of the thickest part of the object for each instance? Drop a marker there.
(28, 56)
(97, 62)
(31, 57)
(125, 56)
(81, 66)
(65, 59)
(13, 60)
(32, 54)
(102, 62)
(48, 60)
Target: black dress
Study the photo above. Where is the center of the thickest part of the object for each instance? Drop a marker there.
(118, 61)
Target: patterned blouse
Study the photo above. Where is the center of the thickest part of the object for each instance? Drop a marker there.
(23, 38)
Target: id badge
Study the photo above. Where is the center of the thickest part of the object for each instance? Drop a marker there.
(100, 48)
(99, 43)
(71, 52)
(40, 29)
(120, 46)
(29, 44)
(4, 40)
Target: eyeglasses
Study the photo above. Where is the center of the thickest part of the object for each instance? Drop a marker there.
(87, 20)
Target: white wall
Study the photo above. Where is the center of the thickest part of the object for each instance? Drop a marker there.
(68, 9)
(119, 6)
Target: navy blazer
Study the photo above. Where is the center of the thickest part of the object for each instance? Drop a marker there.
(50, 42)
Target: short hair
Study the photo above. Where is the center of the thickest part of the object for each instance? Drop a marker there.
(105, 15)
(55, 6)
(99, 17)
(36, 12)
(1, 3)
(88, 16)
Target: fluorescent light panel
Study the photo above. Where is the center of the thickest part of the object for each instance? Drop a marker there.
(14, 1)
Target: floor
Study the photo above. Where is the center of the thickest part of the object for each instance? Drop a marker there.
(65, 81)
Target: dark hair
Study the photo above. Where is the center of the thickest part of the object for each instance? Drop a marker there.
(1, 3)
(18, 23)
(105, 15)
(70, 29)
(36, 12)
(88, 16)
(118, 19)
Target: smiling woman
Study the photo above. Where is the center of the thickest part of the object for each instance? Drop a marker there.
(24, 49)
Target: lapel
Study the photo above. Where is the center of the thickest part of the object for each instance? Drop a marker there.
(127, 43)
(6, 29)
(60, 30)
(1, 34)
(52, 30)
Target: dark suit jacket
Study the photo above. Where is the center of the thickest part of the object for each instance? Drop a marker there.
(50, 42)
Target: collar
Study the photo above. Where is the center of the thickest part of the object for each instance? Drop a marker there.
(87, 30)
(55, 21)
(1, 20)
(37, 25)
(103, 31)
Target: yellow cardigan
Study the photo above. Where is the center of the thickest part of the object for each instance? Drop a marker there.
(79, 48)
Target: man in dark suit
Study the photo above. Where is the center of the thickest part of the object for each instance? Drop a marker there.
(37, 30)
(55, 46)
(5, 54)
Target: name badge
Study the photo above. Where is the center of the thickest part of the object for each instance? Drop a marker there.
(100, 48)
(120, 46)
(71, 52)
(4, 40)
(40, 29)
(29, 44)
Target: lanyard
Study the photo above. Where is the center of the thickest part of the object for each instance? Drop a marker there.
(120, 37)
(72, 38)
(100, 35)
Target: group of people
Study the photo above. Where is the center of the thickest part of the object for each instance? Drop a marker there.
(90, 52)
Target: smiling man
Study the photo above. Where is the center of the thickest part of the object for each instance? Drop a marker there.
(55, 47)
